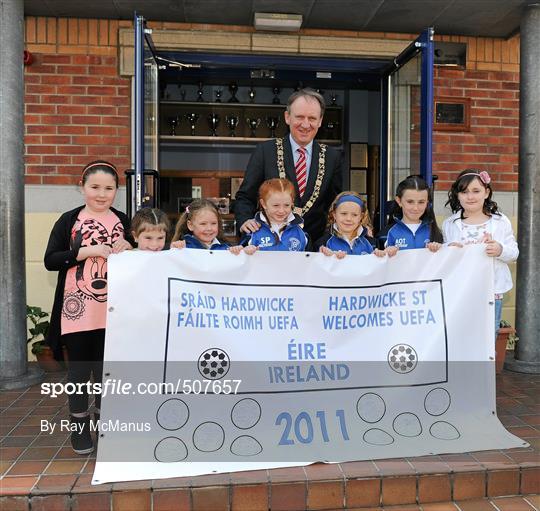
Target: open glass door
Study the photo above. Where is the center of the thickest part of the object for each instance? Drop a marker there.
(146, 118)
(407, 118)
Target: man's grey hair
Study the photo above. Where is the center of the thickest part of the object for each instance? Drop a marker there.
(308, 94)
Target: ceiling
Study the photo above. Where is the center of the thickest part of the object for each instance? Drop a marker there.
(489, 18)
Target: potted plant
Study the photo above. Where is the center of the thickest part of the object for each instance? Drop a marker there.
(505, 337)
(38, 331)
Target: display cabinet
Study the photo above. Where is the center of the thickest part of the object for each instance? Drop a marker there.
(194, 122)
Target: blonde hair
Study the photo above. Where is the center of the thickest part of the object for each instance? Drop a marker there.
(365, 220)
(150, 219)
(190, 213)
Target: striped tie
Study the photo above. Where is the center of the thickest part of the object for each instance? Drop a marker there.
(301, 168)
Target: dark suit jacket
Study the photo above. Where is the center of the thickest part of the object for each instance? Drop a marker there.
(263, 165)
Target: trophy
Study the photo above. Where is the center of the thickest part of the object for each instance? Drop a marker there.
(251, 94)
(233, 89)
(218, 94)
(213, 122)
(200, 92)
(173, 123)
(232, 123)
(272, 123)
(330, 126)
(333, 98)
(181, 91)
(276, 91)
(192, 119)
(253, 124)
(163, 93)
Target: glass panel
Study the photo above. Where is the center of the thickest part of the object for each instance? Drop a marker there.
(151, 90)
(404, 122)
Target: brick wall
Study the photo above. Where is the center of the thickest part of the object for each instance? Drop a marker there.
(491, 81)
(77, 108)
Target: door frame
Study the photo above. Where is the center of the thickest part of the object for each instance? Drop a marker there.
(423, 44)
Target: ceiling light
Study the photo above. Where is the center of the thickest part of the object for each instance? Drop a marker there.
(277, 21)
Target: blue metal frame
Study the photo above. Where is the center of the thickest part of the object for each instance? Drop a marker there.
(426, 129)
(424, 43)
(383, 154)
(139, 111)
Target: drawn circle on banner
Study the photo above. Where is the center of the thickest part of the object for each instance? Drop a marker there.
(437, 401)
(172, 414)
(213, 364)
(371, 407)
(246, 445)
(208, 437)
(407, 424)
(402, 358)
(376, 436)
(444, 431)
(246, 413)
(170, 450)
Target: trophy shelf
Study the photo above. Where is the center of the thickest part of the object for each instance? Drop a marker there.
(230, 123)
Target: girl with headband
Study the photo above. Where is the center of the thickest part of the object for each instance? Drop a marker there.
(477, 219)
(348, 228)
(80, 243)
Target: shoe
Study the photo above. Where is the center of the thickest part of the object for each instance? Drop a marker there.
(81, 441)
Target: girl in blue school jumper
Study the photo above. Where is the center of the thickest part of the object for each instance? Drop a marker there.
(200, 227)
(348, 228)
(281, 229)
(413, 223)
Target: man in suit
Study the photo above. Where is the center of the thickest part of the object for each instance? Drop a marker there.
(314, 169)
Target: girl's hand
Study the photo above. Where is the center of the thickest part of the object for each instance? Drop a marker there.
(455, 244)
(433, 246)
(379, 253)
(250, 226)
(94, 251)
(120, 246)
(326, 251)
(340, 254)
(493, 248)
(250, 249)
(178, 244)
(236, 249)
(391, 251)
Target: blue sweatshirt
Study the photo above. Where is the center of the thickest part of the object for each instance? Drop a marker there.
(193, 242)
(360, 244)
(399, 235)
(290, 239)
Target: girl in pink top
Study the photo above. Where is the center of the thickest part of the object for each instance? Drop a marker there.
(80, 243)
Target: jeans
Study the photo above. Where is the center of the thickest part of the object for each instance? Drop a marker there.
(498, 313)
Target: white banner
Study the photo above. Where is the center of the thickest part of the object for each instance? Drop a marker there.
(216, 362)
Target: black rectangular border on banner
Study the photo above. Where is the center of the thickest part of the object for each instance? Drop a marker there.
(192, 281)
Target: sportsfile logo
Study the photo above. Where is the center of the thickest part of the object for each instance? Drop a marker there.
(114, 386)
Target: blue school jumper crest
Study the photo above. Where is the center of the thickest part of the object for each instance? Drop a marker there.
(358, 246)
(291, 237)
(399, 235)
(193, 242)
